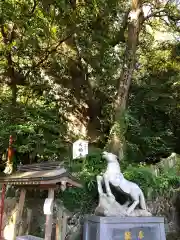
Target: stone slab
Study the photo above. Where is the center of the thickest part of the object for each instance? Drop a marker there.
(28, 237)
(123, 228)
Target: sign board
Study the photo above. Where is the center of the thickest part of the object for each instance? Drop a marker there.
(123, 228)
(48, 206)
(80, 149)
(139, 233)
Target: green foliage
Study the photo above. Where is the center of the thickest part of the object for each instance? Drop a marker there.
(152, 116)
(87, 169)
(142, 176)
(178, 165)
(148, 181)
(38, 128)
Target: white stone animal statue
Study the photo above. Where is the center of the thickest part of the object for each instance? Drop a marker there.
(114, 176)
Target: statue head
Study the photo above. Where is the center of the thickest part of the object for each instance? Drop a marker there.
(110, 157)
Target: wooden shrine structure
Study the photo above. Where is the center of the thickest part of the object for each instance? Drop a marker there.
(51, 176)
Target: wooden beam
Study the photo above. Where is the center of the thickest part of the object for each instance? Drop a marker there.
(38, 187)
(49, 218)
(17, 226)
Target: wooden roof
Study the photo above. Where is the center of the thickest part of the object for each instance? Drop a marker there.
(47, 173)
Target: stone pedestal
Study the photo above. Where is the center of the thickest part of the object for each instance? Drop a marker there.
(123, 228)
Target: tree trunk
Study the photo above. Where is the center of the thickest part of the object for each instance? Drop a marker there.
(14, 94)
(82, 89)
(116, 142)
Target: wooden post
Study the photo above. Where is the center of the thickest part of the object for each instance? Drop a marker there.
(59, 224)
(64, 226)
(29, 216)
(17, 226)
(49, 218)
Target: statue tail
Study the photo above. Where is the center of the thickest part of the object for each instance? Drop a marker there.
(142, 201)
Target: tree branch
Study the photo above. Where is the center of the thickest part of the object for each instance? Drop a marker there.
(34, 7)
(154, 14)
(163, 12)
(29, 14)
(47, 54)
(16, 77)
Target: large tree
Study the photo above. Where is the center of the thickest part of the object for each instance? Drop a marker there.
(135, 22)
(76, 58)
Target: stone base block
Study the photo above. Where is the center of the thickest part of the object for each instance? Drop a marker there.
(123, 228)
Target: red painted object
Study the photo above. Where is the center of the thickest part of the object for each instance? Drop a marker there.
(2, 210)
(10, 140)
(10, 150)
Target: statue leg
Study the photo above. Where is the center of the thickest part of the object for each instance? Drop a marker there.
(135, 197)
(132, 207)
(108, 189)
(99, 184)
(126, 204)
